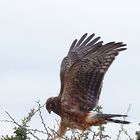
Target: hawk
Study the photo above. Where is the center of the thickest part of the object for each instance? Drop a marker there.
(81, 74)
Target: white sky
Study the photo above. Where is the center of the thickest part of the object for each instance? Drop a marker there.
(36, 34)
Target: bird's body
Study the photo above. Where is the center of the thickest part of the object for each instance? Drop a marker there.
(82, 73)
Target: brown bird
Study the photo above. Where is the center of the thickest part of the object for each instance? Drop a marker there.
(82, 73)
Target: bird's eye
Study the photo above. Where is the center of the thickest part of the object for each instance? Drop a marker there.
(51, 106)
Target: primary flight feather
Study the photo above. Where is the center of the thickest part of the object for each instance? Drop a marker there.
(81, 74)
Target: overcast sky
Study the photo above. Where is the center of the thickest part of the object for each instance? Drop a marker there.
(36, 34)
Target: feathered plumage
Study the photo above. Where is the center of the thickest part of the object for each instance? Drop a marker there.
(82, 73)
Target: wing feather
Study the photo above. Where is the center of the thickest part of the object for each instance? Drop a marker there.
(87, 40)
(93, 41)
(81, 40)
(72, 45)
(83, 71)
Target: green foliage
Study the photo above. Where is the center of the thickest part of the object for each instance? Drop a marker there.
(20, 134)
(138, 134)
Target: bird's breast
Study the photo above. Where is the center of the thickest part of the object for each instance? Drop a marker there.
(75, 121)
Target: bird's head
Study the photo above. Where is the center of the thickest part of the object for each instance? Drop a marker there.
(50, 104)
(53, 104)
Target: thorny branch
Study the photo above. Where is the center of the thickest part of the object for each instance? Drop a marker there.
(49, 133)
(122, 129)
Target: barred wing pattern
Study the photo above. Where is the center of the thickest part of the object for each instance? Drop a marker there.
(83, 70)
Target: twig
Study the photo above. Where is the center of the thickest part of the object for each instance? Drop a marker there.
(13, 120)
(122, 129)
(42, 120)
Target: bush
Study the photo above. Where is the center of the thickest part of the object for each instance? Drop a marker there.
(24, 132)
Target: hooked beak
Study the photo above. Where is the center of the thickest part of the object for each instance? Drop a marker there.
(49, 111)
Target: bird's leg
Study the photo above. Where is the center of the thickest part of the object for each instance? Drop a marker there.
(75, 137)
(61, 131)
(82, 135)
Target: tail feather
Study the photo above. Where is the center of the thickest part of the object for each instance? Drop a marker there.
(108, 117)
(118, 121)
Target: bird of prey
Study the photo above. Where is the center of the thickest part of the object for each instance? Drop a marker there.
(81, 74)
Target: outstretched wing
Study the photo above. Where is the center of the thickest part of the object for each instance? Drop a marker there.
(83, 70)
